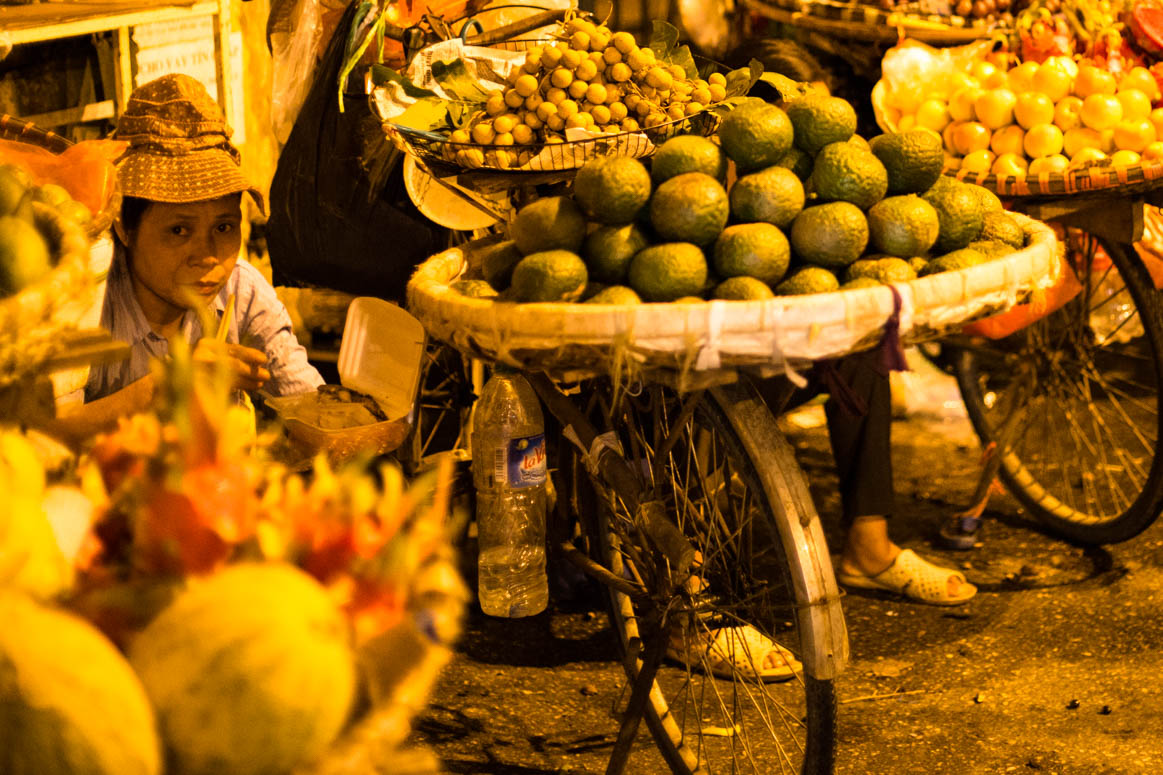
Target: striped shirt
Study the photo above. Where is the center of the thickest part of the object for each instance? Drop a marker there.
(260, 321)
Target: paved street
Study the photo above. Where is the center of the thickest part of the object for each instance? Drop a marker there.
(1055, 667)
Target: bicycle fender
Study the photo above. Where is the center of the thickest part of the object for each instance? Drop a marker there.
(817, 595)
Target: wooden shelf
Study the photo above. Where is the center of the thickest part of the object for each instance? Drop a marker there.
(41, 22)
(50, 21)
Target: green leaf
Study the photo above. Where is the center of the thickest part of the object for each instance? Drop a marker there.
(740, 81)
(428, 114)
(664, 43)
(456, 82)
(382, 75)
(788, 89)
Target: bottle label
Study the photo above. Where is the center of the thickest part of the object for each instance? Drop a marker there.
(520, 462)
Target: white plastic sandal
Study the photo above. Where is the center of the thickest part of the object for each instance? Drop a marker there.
(915, 578)
(736, 652)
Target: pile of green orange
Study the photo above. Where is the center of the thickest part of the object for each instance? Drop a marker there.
(37, 224)
(814, 208)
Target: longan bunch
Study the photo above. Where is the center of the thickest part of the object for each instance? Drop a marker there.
(591, 78)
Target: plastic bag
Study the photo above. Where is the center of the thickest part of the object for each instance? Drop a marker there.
(335, 223)
(1042, 304)
(1150, 248)
(85, 170)
(294, 46)
(912, 72)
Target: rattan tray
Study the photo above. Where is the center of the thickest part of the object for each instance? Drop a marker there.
(859, 21)
(1084, 180)
(555, 157)
(703, 340)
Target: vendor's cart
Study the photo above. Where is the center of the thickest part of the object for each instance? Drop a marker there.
(676, 469)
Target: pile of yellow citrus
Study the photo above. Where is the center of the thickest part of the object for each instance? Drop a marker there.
(1036, 118)
(592, 79)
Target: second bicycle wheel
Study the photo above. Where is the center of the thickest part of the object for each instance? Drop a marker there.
(696, 455)
(1072, 402)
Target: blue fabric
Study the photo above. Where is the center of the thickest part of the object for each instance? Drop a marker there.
(260, 321)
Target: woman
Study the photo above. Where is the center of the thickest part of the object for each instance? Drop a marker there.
(178, 250)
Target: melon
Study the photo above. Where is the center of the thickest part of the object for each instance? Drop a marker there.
(250, 670)
(69, 702)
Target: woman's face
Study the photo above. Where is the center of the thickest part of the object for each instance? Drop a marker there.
(182, 254)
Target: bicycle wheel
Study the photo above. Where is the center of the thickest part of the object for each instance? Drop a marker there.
(1072, 402)
(727, 493)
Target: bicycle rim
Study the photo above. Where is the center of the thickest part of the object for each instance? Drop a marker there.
(723, 502)
(1081, 450)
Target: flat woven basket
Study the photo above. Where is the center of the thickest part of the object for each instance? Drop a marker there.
(555, 157)
(707, 342)
(860, 21)
(1085, 180)
(32, 320)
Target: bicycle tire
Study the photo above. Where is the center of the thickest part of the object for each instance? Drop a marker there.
(772, 728)
(1084, 458)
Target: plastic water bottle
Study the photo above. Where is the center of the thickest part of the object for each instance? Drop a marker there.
(509, 472)
(1113, 312)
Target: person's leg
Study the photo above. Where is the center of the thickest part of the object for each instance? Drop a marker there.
(862, 448)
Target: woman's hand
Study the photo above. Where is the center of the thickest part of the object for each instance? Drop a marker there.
(246, 364)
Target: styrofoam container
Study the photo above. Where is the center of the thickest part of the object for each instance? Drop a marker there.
(381, 353)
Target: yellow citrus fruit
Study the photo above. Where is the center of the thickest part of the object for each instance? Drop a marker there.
(1008, 139)
(947, 137)
(513, 99)
(995, 108)
(1055, 164)
(970, 136)
(1094, 80)
(1053, 80)
(586, 70)
(561, 78)
(982, 70)
(933, 114)
(1101, 111)
(1068, 113)
(907, 97)
(1010, 165)
(1140, 78)
(1153, 151)
(1076, 140)
(906, 122)
(1033, 108)
(577, 89)
(566, 109)
(1135, 102)
(1107, 141)
(1021, 78)
(1124, 159)
(957, 81)
(1065, 63)
(1086, 156)
(962, 102)
(1043, 140)
(547, 109)
(1134, 135)
(978, 161)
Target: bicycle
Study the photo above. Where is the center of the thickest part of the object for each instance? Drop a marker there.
(695, 516)
(1071, 406)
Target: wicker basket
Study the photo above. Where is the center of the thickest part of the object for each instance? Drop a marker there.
(551, 157)
(1084, 180)
(32, 320)
(707, 342)
(859, 21)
